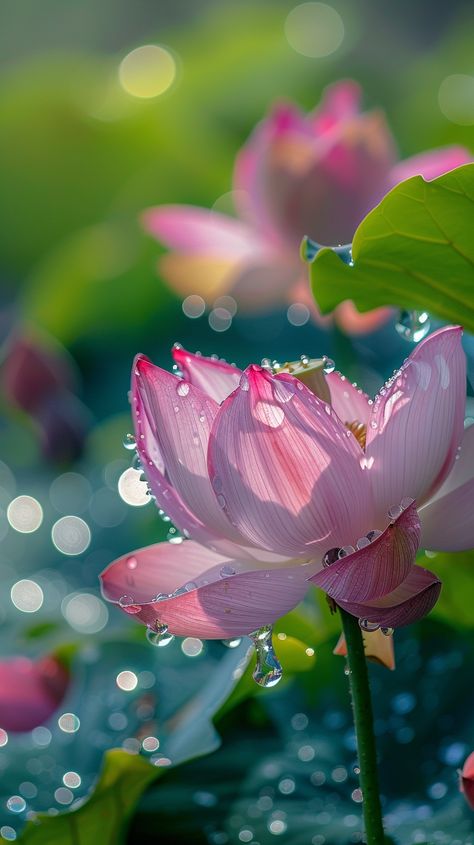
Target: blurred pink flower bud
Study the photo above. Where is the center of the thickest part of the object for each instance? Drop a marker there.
(467, 780)
(30, 691)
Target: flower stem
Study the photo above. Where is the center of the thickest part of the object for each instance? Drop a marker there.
(363, 721)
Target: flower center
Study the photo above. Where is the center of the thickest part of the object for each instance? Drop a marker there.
(359, 430)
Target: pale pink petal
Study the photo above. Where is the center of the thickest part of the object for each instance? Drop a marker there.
(354, 322)
(447, 520)
(412, 600)
(340, 102)
(216, 604)
(180, 416)
(349, 403)
(377, 647)
(377, 569)
(287, 472)
(430, 164)
(214, 377)
(197, 230)
(416, 424)
(30, 691)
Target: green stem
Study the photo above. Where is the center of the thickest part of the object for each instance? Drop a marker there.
(363, 721)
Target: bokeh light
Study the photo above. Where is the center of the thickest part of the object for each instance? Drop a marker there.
(126, 680)
(147, 71)
(314, 29)
(69, 723)
(85, 613)
(456, 98)
(27, 596)
(298, 314)
(220, 319)
(193, 306)
(71, 535)
(25, 514)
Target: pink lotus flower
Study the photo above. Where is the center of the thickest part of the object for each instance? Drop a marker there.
(274, 488)
(316, 175)
(467, 780)
(30, 691)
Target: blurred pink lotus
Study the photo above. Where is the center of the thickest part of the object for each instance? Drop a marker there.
(277, 488)
(30, 691)
(318, 175)
(467, 780)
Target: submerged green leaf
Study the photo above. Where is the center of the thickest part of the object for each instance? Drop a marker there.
(414, 250)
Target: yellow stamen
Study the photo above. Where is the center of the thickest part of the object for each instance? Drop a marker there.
(359, 430)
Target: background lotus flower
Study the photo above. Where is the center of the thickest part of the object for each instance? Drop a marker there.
(30, 691)
(318, 175)
(39, 378)
(275, 487)
(467, 780)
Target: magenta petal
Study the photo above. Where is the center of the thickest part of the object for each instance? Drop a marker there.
(430, 164)
(340, 103)
(215, 378)
(349, 403)
(467, 780)
(377, 569)
(179, 417)
(30, 691)
(410, 601)
(190, 229)
(447, 520)
(288, 473)
(217, 607)
(417, 424)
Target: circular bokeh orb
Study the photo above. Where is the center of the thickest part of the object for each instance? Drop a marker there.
(314, 29)
(25, 514)
(147, 71)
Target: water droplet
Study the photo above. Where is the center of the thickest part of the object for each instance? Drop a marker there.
(232, 643)
(159, 636)
(331, 556)
(373, 424)
(136, 462)
(395, 511)
(177, 346)
(182, 388)
(174, 537)
(227, 571)
(129, 442)
(362, 542)
(266, 364)
(268, 671)
(217, 484)
(346, 550)
(127, 603)
(413, 325)
(406, 502)
(372, 535)
(131, 562)
(388, 632)
(366, 625)
(329, 366)
(221, 501)
(244, 382)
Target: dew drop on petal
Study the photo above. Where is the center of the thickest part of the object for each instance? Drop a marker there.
(331, 556)
(372, 535)
(226, 571)
(362, 542)
(406, 502)
(388, 632)
(346, 550)
(127, 603)
(329, 366)
(395, 511)
(268, 671)
(129, 442)
(232, 643)
(182, 388)
(244, 382)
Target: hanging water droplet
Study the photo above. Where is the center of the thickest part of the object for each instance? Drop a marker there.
(346, 550)
(268, 671)
(331, 556)
(368, 626)
(221, 501)
(244, 382)
(232, 643)
(174, 537)
(266, 364)
(227, 571)
(388, 632)
(329, 365)
(347, 671)
(373, 423)
(406, 502)
(304, 360)
(372, 535)
(129, 442)
(136, 462)
(413, 325)
(159, 635)
(127, 603)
